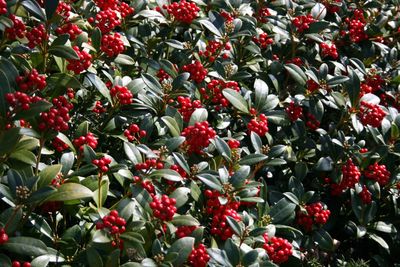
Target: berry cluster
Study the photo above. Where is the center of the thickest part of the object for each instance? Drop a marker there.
(219, 212)
(57, 117)
(214, 89)
(17, 30)
(356, 27)
(375, 81)
(69, 28)
(213, 49)
(259, 125)
(233, 143)
(125, 10)
(199, 256)
(98, 108)
(378, 173)
(31, 81)
(371, 114)
(133, 132)
(162, 75)
(163, 208)
(115, 225)
(3, 7)
(179, 170)
(107, 4)
(64, 10)
(198, 136)
(197, 72)
(18, 264)
(293, 111)
(315, 214)
(106, 20)
(312, 86)
(89, 140)
(121, 95)
(183, 231)
(81, 64)
(296, 60)
(102, 164)
(262, 14)
(21, 100)
(149, 164)
(329, 50)
(312, 122)
(183, 11)
(112, 45)
(36, 36)
(302, 23)
(350, 175)
(277, 248)
(187, 107)
(263, 40)
(3, 236)
(59, 145)
(365, 195)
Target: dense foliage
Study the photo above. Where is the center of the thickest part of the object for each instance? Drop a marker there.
(199, 133)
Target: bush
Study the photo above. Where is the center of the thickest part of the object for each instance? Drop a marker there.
(194, 133)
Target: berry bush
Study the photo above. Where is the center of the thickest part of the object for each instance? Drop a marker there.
(199, 133)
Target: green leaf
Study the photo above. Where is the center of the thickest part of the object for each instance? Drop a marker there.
(297, 73)
(380, 241)
(5, 89)
(252, 159)
(167, 174)
(235, 226)
(337, 80)
(172, 125)
(222, 147)
(26, 246)
(34, 9)
(185, 220)
(199, 115)
(261, 93)
(48, 174)
(99, 85)
(24, 156)
(122, 59)
(50, 7)
(41, 224)
(281, 211)
(353, 87)
(63, 51)
(250, 257)
(181, 194)
(240, 176)
(210, 27)
(384, 227)
(71, 191)
(324, 240)
(232, 252)
(132, 153)
(100, 195)
(210, 180)
(183, 247)
(34, 110)
(5, 261)
(152, 83)
(93, 258)
(236, 99)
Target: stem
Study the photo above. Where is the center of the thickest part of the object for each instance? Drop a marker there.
(39, 156)
(17, 208)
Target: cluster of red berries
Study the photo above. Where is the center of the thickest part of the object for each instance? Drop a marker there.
(350, 176)
(183, 231)
(125, 10)
(315, 214)
(163, 208)
(179, 170)
(107, 4)
(88, 139)
(356, 27)
(106, 20)
(329, 50)
(133, 132)
(18, 264)
(162, 75)
(197, 71)
(198, 136)
(378, 173)
(59, 145)
(69, 28)
(98, 108)
(365, 195)
(293, 111)
(147, 185)
(115, 225)
(302, 23)
(64, 10)
(263, 40)
(277, 248)
(150, 164)
(233, 143)
(112, 45)
(81, 64)
(219, 224)
(312, 123)
(121, 95)
(375, 81)
(3, 7)
(31, 81)
(182, 11)
(102, 164)
(214, 89)
(199, 256)
(259, 125)
(187, 107)
(262, 14)
(58, 116)
(17, 30)
(312, 86)
(21, 100)
(36, 36)
(296, 60)
(371, 114)
(3, 236)
(229, 17)
(365, 89)
(213, 49)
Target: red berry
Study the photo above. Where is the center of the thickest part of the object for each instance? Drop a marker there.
(183, 11)
(198, 136)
